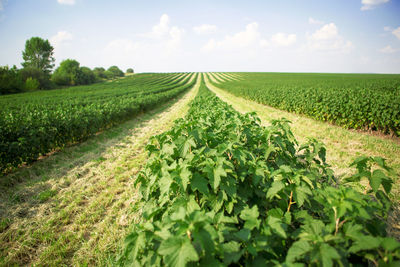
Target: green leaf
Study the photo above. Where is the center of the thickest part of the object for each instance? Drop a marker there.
(186, 147)
(328, 254)
(168, 149)
(276, 226)
(199, 183)
(275, 188)
(218, 173)
(177, 251)
(390, 244)
(185, 177)
(364, 242)
(300, 194)
(231, 251)
(250, 216)
(243, 235)
(376, 179)
(297, 249)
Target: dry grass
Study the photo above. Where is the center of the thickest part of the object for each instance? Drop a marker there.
(75, 206)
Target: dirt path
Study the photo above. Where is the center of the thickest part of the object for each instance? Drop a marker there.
(74, 207)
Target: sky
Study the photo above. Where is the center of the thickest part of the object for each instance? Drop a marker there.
(361, 36)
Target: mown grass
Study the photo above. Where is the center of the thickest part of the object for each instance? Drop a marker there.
(72, 208)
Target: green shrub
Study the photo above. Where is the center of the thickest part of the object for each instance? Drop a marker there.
(31, 84)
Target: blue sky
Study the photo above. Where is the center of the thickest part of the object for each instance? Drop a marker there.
(219, 35)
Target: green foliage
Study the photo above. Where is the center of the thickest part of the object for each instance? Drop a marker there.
(109, 74)
(31, 84)
(218, 189)
(68, 73)
(33, 124)
(99, 73)
(10, 81)
(38, 54)
(37, 74)
(130, 70)
(116, 72)
(360, 101)
(86, 76)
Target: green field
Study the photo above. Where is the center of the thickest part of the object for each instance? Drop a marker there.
(359, 101)
(156, 169)
(34, 124)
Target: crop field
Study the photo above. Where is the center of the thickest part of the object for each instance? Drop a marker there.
(34, 124)
(359, 101)
(194, 169)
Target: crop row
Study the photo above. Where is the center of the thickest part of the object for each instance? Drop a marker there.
(360, 101)
(34, 124)
(218, 189)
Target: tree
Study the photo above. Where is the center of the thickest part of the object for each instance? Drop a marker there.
(86, 76)
(130, 70)
(68, 73)
(116, 71)
(10, 80)
(38, 53)
(109, 74)
(38, 75)
(99, 73)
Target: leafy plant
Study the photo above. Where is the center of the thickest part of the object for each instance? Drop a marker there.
(359, 101)
(219, 189)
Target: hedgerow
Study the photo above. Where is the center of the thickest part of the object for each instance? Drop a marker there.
(219, 189)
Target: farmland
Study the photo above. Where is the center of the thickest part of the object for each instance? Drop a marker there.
(359, 101)
(199, 182)
(34, 124)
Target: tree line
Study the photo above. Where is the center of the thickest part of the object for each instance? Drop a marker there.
(37, 71)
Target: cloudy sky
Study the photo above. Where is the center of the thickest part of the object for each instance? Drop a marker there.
(210, 35)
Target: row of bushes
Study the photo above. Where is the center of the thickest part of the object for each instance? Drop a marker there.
(13, 80)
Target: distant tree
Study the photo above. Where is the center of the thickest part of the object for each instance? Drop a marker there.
(109, 74)
(116, 71)
(86, 76)
(38, 53)
(130, 70)
(38, 75)
(99, 73)
(10, 80)
(31, 84)
(68, 73)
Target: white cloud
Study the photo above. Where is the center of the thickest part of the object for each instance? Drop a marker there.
(283, 39)
(328, 31)
(242, 39)
(205, 29)
(396, 32)
(387, 29)
(66, 2)
(371, 4)
(162, 28)
(327, 38)
(314, 21)
(264, 43)
(170, 36)
(388, 50)
(60, 38)
(250, 39)
(175, 37)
